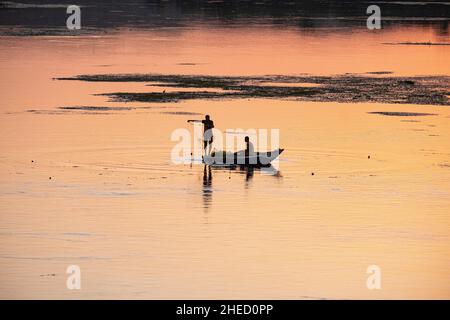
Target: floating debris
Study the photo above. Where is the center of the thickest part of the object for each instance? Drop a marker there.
(182, 113)
(380, 72)
(48, 275)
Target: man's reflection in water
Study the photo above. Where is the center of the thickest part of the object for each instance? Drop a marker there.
(207, 187)
(249, 171)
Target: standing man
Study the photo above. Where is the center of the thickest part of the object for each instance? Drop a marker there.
(208, 125)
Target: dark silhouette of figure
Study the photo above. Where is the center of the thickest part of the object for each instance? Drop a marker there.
(208, 125)
(249, 151)
(249, 173)
(207, 187)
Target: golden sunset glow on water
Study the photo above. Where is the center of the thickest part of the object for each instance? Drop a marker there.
(97, 188)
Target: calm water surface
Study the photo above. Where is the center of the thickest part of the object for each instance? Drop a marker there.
(142, 227)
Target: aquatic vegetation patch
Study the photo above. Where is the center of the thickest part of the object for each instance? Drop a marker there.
(402, 114)
(347, 88)
(95, 108)
(418, 43)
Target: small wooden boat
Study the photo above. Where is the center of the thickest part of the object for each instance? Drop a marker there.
(257, 159)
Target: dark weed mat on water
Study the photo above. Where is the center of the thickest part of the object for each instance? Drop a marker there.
(418, 43)
(402, 114)
(95, 108)
(101, 110)
(347, 88)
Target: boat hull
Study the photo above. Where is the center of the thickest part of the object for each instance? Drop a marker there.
(258, 159)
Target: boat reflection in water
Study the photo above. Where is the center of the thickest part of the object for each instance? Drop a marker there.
(248, 171)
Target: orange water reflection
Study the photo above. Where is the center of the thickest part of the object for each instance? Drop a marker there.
(141, 227)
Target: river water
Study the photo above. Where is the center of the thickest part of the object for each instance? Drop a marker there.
(99, 189)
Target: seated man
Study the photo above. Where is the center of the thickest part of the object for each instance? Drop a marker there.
(249, 149)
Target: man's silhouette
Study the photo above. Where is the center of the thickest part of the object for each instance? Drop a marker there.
(249, 149)
(208, 125)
